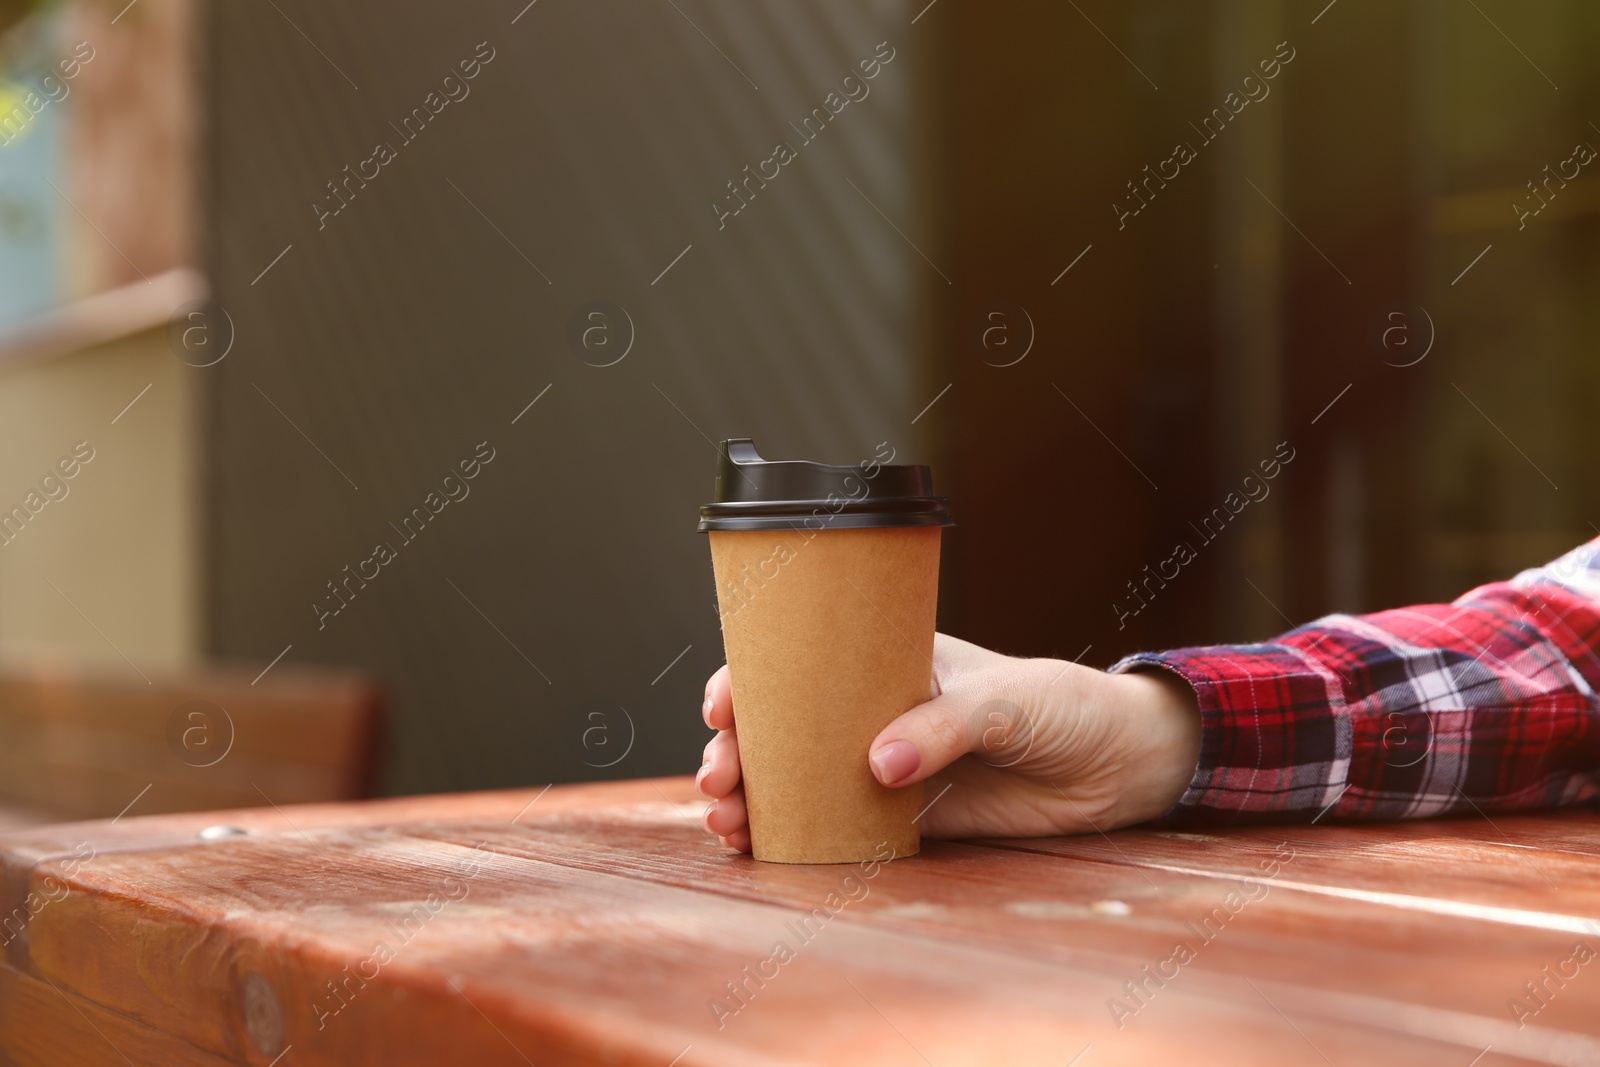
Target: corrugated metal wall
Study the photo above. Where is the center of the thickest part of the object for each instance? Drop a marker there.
(394, 336)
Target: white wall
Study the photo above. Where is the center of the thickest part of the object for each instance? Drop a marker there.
(123, 543)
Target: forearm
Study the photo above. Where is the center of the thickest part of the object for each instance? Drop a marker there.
(1487, 703)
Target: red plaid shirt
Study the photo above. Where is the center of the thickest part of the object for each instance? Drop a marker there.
(1485, 704)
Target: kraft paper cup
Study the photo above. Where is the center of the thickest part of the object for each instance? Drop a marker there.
(828, 624)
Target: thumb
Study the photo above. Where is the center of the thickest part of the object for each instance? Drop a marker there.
(936, 733)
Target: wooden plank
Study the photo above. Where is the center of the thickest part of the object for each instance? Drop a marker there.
(23, 848)
(80, 770)
(22, 851)
(1116, 918)
(1466, 867)
(576, 966)
(325, 705)
(86, 743)
(1002, 912)
(45, 1027)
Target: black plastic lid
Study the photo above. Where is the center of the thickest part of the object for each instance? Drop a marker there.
(759, 494)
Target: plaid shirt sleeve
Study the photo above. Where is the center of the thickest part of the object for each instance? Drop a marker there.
(1485, 704)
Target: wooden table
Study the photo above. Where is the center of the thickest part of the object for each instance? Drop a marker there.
(599, 924)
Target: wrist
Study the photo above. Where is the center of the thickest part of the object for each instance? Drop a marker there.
(1162, 718)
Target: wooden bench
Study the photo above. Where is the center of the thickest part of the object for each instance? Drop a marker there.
(77, 743)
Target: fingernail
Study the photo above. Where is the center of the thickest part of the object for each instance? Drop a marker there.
(698, 778)
(706, 818)
(705, 711)
(895, 762)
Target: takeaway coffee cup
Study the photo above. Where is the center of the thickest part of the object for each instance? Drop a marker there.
(827, 580)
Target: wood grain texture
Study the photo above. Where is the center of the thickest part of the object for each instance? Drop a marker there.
(85, 743)
(603, 925)
(46, 1027)
(1115, 918)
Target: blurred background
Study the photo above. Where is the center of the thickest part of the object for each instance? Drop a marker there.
(284, 282)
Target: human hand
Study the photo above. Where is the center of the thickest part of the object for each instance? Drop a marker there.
(1029, 747)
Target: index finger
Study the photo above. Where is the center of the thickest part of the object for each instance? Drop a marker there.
(718, 708)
